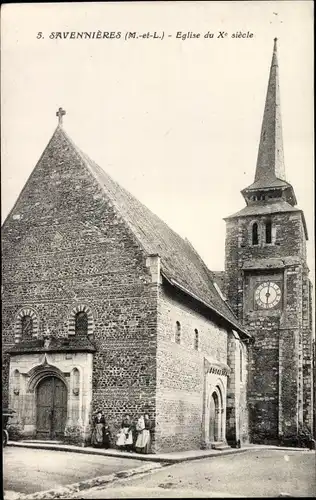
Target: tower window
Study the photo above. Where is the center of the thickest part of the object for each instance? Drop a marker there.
(81, 323)
(255, 239)
(27, 327)
(178, 333)
(196, 339)
(241, 363)
(269, 232)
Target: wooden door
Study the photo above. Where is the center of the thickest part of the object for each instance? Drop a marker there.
(59, 409)
(213, 422)
(51, 408)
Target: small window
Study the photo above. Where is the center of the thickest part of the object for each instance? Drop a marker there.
(255, 239)
(178, 333)
(196, 340)
(81, 323)
(27, 327)
(268, 232)
(241, 364)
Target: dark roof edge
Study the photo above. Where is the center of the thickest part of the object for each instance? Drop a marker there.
(237, 215)
(304, 224)
(34, 350)
(174, 283)
(285, 184)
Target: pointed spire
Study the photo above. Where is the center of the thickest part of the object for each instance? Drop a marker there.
(270, 162)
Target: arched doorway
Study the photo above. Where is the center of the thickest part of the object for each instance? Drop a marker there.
(51, 408)
(216, 415)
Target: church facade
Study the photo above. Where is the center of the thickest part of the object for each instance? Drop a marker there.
(104, 306)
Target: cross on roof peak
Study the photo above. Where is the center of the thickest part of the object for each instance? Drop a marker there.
(60, 113)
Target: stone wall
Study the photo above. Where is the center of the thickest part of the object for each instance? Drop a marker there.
(237, 423)
(65, 244)
(180, 376)
(279, 360)
(307, 367)
(289, 240)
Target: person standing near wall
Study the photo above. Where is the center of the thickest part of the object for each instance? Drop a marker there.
(143, 428)
(106, 435)
(98, 429)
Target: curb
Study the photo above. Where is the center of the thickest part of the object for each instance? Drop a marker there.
(159, 458)
(85, 451)
(71, 489)
(163, 458)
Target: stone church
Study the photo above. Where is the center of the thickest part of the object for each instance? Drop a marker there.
(104, 306)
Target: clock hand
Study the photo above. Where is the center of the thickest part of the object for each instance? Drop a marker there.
(268, 294)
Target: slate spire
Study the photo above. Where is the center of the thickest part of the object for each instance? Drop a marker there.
(270, 161)
(270, 171)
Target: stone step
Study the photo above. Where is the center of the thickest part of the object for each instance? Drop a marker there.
(41, 441)
(219, 445)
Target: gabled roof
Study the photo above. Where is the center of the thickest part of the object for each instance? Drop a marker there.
(180, 263)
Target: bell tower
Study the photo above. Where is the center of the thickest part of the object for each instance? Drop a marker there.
(269, 288)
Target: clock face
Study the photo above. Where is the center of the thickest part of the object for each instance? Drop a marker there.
(267, 295)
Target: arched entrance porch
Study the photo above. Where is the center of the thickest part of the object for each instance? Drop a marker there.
(214, 403)
(216, 414)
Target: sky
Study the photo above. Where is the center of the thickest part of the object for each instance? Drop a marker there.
(175, 121)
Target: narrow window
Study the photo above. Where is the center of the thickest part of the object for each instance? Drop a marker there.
(196, 340)
(178, 333)
(81, 323)
(27, 327)
(16, 382)
(241, 367)
(255, 234)
(268, 232)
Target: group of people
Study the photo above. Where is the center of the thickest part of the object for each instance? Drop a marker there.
(133, 436)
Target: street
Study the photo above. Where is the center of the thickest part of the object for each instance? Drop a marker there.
(264, 473)
(27, 470)
(252, 473)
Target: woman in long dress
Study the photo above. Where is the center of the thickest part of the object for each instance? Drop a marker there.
(125, 436)
(106, 435)
(143, 438)
(98, 428)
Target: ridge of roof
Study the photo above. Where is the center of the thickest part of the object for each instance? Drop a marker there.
(179, 260)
